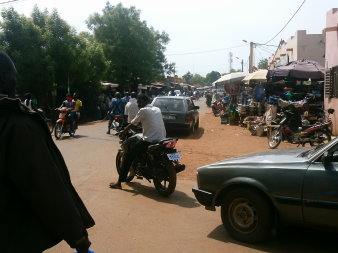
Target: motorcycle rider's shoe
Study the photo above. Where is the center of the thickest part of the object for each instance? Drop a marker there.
(108, 132)
(116, 185)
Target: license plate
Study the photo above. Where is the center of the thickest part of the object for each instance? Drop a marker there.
(168, 117)
(174, 156)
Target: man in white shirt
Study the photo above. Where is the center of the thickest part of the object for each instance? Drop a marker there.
(131, 108)
(150, 117)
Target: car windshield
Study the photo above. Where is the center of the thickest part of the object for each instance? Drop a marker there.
(310, 152)
(169, 104)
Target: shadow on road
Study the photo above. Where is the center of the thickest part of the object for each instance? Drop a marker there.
(182, 135)
(177, 198)
(290, 239)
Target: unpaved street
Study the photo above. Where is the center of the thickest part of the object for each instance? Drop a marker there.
(137, 219)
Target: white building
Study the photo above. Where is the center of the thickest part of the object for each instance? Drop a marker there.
(302, 46)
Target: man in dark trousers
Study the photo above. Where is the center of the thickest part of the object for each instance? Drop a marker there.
(39, 206)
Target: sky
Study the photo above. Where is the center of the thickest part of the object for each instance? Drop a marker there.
(203, 33)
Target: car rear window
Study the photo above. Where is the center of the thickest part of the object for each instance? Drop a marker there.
(169, 104)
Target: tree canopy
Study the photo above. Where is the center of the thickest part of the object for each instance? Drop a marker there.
(212, 77)
(263, 64)
(48, 52)
(135, 51)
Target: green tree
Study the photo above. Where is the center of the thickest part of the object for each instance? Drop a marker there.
(187, 77)
(46, 50)
(24, 42)
(170, 68)
(135, 51)
(263, 63)
(212, 77)
(198, 79)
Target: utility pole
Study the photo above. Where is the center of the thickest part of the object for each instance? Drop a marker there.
(230, 61)
(242, 64)
(251, 58)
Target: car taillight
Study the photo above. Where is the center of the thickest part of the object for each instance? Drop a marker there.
(171, 144)
(188, 119)
(117, 117)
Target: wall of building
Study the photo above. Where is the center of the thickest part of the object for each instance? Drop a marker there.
(331, 59)
(299, 47)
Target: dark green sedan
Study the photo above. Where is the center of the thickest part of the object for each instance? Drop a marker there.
(298, 186)
(178, 112)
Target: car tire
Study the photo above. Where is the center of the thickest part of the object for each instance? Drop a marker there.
(197, 125)
(247, 215)
(192, 128)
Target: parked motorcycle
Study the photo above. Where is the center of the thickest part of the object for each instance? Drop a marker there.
(65, 123)
(160, 162)
(313, 134)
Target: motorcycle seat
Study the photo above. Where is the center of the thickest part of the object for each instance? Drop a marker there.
(158, 144)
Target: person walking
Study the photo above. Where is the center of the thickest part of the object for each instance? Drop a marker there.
(39, 206)
(131, 108)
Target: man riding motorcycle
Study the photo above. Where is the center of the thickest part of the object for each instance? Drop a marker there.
(150, 117)
(69, 103)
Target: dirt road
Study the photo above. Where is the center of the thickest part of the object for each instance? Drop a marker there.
(214, 142)
(137, 219)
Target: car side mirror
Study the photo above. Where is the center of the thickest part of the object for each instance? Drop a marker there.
(327, 159)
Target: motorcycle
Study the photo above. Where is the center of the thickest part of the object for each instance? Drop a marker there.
(217, 107)
(313, 134)
(118, 123)
(65, 123)
(159, 163)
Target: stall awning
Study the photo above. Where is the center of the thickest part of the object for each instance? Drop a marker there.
(229, 78)
(259, 75)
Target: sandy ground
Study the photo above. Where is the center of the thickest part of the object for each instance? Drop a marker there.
(137, 219)
(214, 142)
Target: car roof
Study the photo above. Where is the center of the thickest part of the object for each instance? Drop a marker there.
(175, 97)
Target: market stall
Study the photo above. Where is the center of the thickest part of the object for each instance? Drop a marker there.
(232, 89)
(299, 83)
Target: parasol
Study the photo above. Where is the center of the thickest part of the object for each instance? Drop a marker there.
(298, 70)
(230, 78)
(259, 75)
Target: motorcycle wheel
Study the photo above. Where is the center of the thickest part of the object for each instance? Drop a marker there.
(58, 130)
(165, 182)
(275, 139)
(119, 160)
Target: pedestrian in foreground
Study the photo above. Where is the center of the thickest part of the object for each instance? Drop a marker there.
(39, 206)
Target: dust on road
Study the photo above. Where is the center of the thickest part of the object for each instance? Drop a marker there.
(214, 142)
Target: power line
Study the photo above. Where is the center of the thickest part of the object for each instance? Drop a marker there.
(286, 23)
(206, 51)
(265, 50)
(10, 1)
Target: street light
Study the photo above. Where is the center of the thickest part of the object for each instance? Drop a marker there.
(241, 62)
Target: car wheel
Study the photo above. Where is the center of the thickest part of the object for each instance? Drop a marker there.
(247, 215)
(193, 128)
(197, 124)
